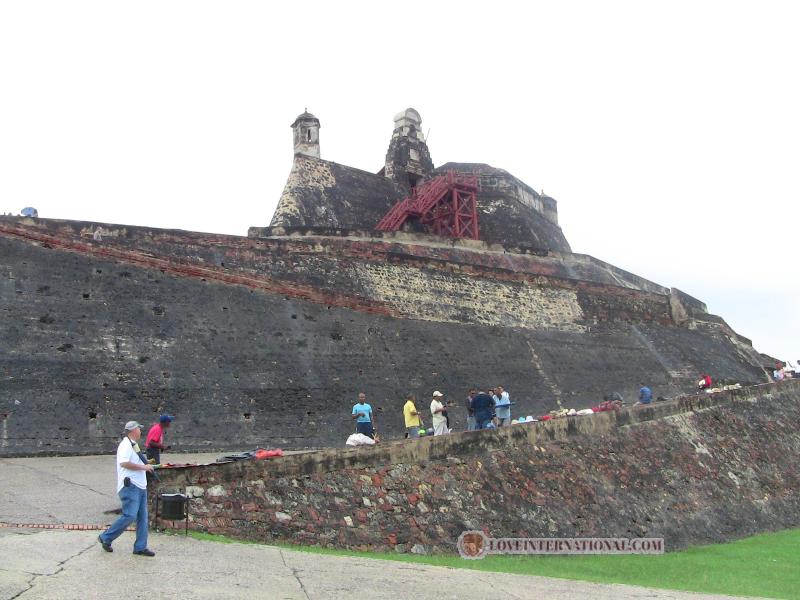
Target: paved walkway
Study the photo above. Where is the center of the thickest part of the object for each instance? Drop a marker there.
(57, 564)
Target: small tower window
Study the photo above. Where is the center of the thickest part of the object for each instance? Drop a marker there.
(309, 135)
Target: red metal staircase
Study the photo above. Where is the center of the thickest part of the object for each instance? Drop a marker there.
(447, 203)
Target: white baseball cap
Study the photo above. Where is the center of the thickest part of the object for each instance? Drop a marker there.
(437, 394)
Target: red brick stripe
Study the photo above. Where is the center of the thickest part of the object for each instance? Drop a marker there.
(68, 526)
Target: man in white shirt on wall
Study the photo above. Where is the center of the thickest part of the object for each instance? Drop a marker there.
(132, 490)
(502, 406)
(437, 414)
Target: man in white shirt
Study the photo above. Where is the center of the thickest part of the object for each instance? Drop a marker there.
(132, 491)
(502, 406)
(437, 414)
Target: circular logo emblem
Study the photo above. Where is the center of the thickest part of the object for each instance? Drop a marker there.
(472, 545)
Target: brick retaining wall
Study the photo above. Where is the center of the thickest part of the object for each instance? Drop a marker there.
(703, 469)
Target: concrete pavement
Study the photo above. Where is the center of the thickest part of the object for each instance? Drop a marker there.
(62, 565)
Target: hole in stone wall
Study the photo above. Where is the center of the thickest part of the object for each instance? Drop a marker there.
(224, 308)
(246, 416)
(125, 274)
(99, 271)
(92, 415)
(64, 347)
(42, 289)
(294, 316)
(158, 310)
(47, 319)
(86, 296)
(143, 359)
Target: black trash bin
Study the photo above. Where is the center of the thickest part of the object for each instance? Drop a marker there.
(174, 507)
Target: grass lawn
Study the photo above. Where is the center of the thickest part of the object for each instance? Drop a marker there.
(765, 565)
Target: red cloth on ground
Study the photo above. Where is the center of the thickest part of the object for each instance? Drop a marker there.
(261, 454)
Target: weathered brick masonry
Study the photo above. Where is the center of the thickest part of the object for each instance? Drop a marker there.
(266, 340)
(703, 469)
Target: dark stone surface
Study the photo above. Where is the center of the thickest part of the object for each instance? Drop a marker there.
(267, 342)
(324, 193)
(702, 470)
(321, 193)
(511, 211)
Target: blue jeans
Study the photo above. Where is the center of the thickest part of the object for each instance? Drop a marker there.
(134, 508)
(365, 428)
(487, 424)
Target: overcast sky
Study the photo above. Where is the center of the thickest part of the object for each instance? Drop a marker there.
(668, 132)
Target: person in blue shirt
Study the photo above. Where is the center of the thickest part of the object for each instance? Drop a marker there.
(365, 420)
(645, 395)
(483, 407)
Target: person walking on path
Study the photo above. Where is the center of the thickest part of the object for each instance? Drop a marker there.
(365, 419)
(437, 414)
(154, 443)
(411, 417)
(132, 490)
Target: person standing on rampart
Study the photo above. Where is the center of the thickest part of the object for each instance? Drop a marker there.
(470, 413)
(645, 395)
(705, 382)
(483, 407)
(362, 413)
(502, 406)
(437, 414)
(411, 417)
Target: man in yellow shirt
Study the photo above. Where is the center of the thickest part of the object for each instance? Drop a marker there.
(411, 417)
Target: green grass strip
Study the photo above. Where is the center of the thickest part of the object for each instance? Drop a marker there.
(766, 565)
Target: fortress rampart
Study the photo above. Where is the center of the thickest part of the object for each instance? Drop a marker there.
(704, 469)
(266, 340)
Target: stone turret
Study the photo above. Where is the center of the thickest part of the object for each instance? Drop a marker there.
(408, 161)
(306, 135)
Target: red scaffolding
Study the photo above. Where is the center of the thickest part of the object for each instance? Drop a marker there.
(446, 203)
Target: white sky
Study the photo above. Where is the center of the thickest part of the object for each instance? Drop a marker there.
(669, 132)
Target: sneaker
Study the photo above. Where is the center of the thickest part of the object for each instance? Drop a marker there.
(106, 547)
(145, 552)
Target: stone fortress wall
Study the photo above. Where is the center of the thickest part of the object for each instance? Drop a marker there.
(704, 469)
(267, 340)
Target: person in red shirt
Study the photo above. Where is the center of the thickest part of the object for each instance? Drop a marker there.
(154, 443)
(705, 382)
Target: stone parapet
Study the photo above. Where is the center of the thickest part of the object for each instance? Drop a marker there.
(703, 469)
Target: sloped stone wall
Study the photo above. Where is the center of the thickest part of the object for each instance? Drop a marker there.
(700, 470)
(268, 341)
